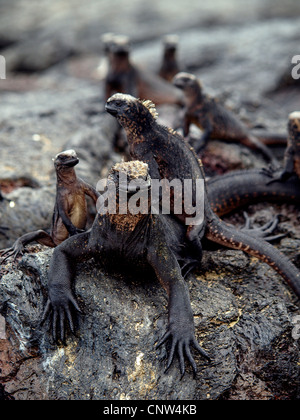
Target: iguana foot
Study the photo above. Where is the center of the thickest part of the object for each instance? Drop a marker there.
(60, 303)
(262, 231)
(16, 250)
(181, 341)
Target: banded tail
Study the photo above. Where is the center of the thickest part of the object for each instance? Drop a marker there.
(219, 232)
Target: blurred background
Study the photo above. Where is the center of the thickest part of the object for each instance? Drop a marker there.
(36, 35)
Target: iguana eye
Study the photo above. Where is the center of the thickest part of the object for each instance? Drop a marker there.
(118, 103)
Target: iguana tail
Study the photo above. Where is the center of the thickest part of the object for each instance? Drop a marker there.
(219, 232)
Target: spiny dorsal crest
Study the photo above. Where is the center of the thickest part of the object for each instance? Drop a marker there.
(151, 108)
(171, 131)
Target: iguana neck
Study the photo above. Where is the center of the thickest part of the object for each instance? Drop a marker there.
(66, 177)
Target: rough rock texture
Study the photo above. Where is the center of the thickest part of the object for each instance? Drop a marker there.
(52, 100)
(243, 317)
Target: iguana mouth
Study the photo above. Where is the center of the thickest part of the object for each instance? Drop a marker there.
(71, 163)
(178, 83)
(111, 109)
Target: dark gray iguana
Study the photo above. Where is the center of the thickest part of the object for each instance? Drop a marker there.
(238, 188)
(216, 121)
(169, 157)
(144, 241)
(153, 240)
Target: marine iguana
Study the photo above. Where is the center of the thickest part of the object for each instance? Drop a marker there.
(291, 164)
(216, 121)
(142, 240)
(70, 211)
(238, 188)
(169, 66)
(124, 76)
(121, 75)
(169, 157)
(102, 69)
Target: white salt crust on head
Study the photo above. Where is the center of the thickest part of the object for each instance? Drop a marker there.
(70, 153)
(134, 169)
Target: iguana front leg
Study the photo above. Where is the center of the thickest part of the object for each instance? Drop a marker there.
(61, 275)
(91, 192)
(63, 214)
(181, 330)
(18, 247)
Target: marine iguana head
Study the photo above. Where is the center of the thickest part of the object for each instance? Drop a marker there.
(133, 114)
(120, 45)
(65, 160)
(107, 40)
(189, 84)
(170, 43)
(130, 176)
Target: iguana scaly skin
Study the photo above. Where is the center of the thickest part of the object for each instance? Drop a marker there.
(169, 157)
(136, 241)
(216, 121)
(70, 210)
(236, 189)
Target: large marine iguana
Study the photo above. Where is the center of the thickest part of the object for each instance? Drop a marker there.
(169, 157)
(142, 240)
